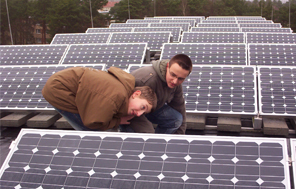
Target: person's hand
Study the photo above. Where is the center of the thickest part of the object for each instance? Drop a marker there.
(124, 120)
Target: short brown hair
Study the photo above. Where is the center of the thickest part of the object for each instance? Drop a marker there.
(183, 60)
(148, 94)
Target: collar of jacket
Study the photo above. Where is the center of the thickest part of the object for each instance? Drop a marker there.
(160, 68)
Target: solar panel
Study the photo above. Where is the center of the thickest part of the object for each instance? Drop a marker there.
(221, 18)
(220, 21)
(128, 25)
(80, 38)
(158, 18)
(270, 37)
(142, 21)
(119, 55)
(272, 54)
(21, 86)
(216, 25)
(108, 30)
(175, 31)
(277, 90)
(250, 18)
(213, 37)
(185, 26)
(208, 53)
(221, 89)
(293, 157)
(254, 21)
(275, 30)
(70, 159)
(192, 22)
(215, 29)
(272, 25)
(154, 39)
(31, 54)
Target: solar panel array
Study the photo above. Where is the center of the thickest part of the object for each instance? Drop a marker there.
(108, 30)
(272, 54)
(275, 30)
(220, 21)
(215, 29)
(69, 159)
(118, 55)
(221, 89)
(277, 90)
(80, 38)
(118, 25)
(185, 26)
(217, 25)
(191, 21)
(270, 37)
(142, 21)
(254, 21)
(208, 53)
(175, 31)
(213, 37)
(31, 54)
(154, 39)
(273, 25)
(21, 86)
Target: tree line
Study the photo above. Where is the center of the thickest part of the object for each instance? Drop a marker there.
(73, 16)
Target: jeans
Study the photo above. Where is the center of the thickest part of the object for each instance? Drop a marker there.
(168, 120)
(74, 120)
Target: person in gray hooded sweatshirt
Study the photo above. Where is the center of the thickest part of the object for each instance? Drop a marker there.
(165, 77)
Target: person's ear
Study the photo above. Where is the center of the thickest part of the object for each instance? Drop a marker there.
(136, 94)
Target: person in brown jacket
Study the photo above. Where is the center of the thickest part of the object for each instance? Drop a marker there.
(91, 99)
(165, 77)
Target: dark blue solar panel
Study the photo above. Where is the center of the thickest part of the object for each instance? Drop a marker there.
(80, 38)
(213, 37)
(108, 30)
(31, 54)
(21, 86)
(63, 159)
(277, 91)
(270, 37)
(208, 53)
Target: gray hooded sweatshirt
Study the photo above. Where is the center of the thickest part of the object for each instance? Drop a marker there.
(155, 77)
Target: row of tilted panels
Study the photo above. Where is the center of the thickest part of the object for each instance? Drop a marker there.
(122, 54)
(241, 90)
(156, 37)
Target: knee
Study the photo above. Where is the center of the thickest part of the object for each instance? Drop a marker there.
(178, 120)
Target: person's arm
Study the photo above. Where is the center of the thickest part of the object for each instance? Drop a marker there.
(178, 103)
(141, 125)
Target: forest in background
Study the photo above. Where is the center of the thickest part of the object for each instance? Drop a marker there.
(73, 16)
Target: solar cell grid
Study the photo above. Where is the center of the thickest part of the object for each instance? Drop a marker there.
(108, 30)
(275, 30)
(250, 18)
(191, 21)
(80, 38)
(213, 37)
(221, 89)
(252, 37)
(220, 21)
(277, 91)
(21, 86)
(154, 39)
(185, 26)
(31, 54)
(254, 21)
(116, 25)
(272, 54)
(176, 31)
(68, 159)
(293, 157)
(272, 25)
(118, 55)
(220, 18)
(208, 53)
(216, 25)
(215, 29)
(142, 21)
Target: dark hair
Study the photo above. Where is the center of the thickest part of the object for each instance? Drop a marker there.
(183, 60)
(148, 94)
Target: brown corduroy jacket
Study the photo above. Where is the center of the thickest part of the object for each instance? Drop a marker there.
(100, 98)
